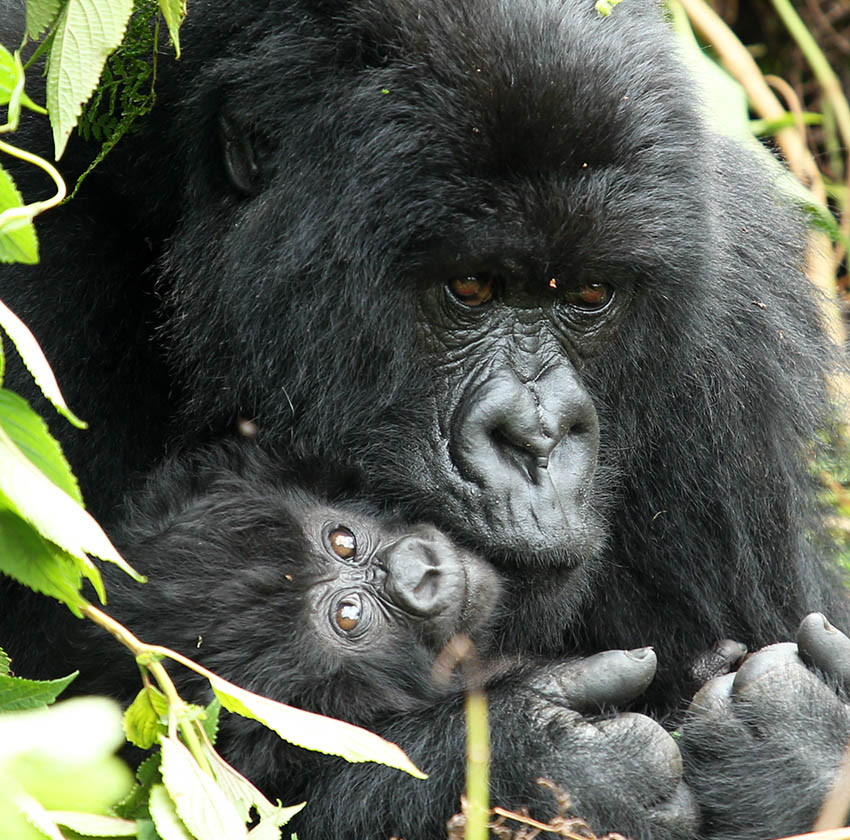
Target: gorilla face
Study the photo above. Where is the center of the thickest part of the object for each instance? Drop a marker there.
(377, 584)
(518, 432)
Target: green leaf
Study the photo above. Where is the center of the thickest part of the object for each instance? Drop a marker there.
(5, 663)
(12, 87)
(35, 361)
(18, 242)
(94, 825)
(87, 32)
(30, 434)
(173, 11)
(31, 560)
(36, 815)
(134, 806)
(164, 815)
(18, 694)
(40, 15)
(210, 720)
(201, 804)
(143, 723)
(244, 796)
(63, 755)
(312, 731)
(53, 513)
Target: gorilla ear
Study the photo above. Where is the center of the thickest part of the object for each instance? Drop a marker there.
(240, 160)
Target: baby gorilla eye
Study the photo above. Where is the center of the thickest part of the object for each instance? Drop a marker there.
(589, 297)
(343, 543)
(348, 613)
(471, 290)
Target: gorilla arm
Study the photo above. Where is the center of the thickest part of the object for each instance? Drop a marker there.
(622, 771)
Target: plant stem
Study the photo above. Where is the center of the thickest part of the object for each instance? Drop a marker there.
(30, 210)
(176, 704)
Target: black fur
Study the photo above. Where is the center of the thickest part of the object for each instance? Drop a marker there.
(396, 145)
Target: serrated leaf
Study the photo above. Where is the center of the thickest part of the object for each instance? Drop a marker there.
(18, 694)
(135, 804)
(143, 718)
(94, 825)
(32, 437)
(36, 815)
(312, 731)
(164, 815)
(201, 804)
(18, 242)
(5, 663)
(31, 560)
(36, 363)
(87, 32)
(210, 720)
(146, 830)
(40, 14)
(244, 795)
(53, 513)
(173, 11)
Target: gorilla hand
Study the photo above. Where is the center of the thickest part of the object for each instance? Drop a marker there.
(617, 757)
(762, 746)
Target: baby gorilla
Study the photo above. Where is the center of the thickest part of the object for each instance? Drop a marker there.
(330, 607)
(326, 607)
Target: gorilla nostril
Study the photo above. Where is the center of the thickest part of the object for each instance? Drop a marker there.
(427, 589)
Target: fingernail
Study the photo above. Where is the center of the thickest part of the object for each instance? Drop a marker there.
(826, 625)
(639, 653)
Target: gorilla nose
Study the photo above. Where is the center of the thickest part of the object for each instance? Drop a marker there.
(416, 577)
(506, 430)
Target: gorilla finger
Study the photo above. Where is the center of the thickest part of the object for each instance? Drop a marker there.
(770, 658)
(679, 813)
(604, 680)
(713, 698)
(825, 647)
(719, 659)
(644, 747)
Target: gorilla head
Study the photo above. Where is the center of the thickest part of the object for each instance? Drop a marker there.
(472, 252)
(330, 608)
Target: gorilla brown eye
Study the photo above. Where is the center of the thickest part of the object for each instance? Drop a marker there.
(589, 296)
(348, 613)
(471, 290)
(343, 543)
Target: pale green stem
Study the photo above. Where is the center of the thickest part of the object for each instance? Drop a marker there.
(477, 767)
(30, 210)
(175, 701)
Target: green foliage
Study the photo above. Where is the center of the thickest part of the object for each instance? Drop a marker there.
(57, 765)
(78, 37)
(84, 35)
(146, 718)
(40, 14)
(126, 90)
(45, 533)
(18, 242)
(311, 731)
(18, 694)
(605, 7)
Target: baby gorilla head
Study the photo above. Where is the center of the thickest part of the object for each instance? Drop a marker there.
(372, 601)
(333, 608)
(369, 579)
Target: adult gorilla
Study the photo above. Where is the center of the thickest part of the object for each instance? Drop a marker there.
(487, 261)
